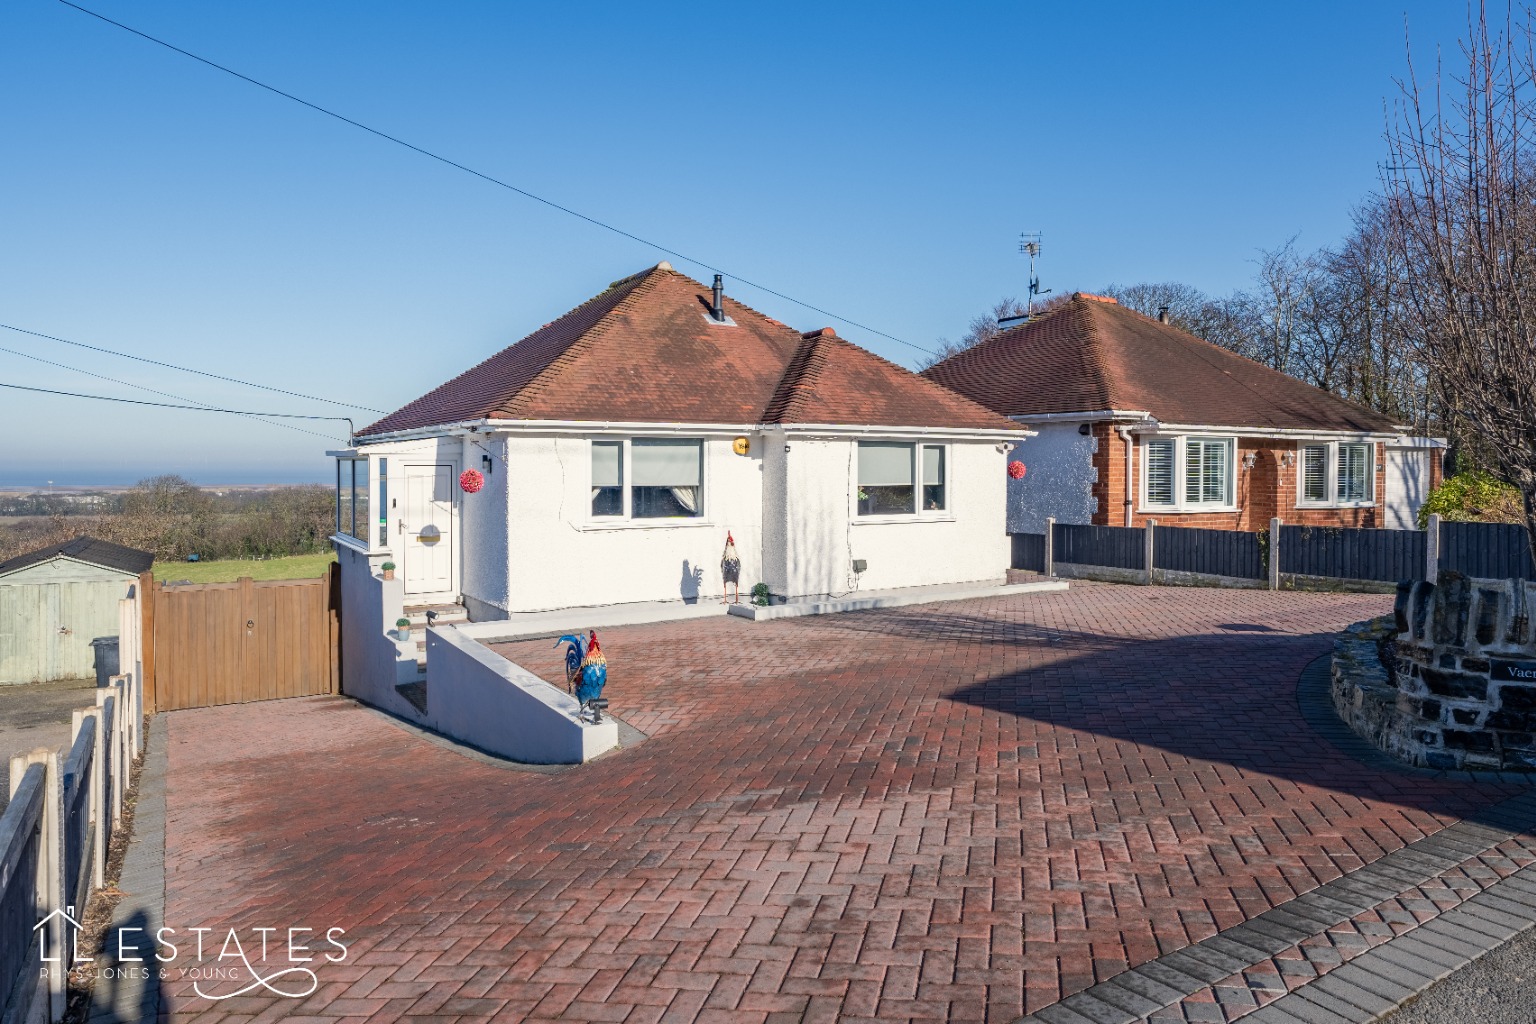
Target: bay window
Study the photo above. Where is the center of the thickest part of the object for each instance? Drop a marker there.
(1188, 474)
(1336, 473)
(665, 478)
(900, 478)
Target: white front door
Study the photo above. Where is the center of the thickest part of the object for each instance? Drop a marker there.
(425, 530)
(1407, 486)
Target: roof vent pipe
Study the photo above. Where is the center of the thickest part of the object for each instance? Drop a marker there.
(717, 310)
(1162, 314)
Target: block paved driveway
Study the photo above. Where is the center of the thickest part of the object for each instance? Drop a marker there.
(950, 812)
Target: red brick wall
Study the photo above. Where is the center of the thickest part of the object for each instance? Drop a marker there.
(1263, 492)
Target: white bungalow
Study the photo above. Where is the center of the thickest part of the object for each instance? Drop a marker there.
(604, 458)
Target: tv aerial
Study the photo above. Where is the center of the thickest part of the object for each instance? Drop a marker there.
(1029, 245)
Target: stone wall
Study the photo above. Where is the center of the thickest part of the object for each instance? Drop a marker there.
(1448, 682)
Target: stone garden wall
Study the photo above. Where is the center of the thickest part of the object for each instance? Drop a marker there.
(1450, 680)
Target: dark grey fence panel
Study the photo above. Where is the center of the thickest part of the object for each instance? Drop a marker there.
(78, 838)
(1351, 554)
(1123, 547)
(21, 844)
(1490, 551)
(1028, 551)
(1214, 552)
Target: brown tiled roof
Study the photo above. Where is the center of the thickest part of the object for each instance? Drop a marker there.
(1094, 354)
(86, 549)
(647, 351)
(831, 380)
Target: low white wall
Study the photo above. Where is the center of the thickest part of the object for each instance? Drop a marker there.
(558, 557)
(477, 696)
(968, 543)
(370, 660)
(1057, 482)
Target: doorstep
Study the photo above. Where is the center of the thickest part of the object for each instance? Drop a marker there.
(894, 598)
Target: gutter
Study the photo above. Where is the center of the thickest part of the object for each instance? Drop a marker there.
(626, 427)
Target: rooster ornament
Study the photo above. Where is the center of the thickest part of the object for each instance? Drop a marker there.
(586, 669)
(730, 570)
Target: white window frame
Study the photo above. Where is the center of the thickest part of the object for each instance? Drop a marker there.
(626, 476)
(1331, 466)
(918, 514)
(1181, 504)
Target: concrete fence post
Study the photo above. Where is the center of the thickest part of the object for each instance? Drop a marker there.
(90, 718)
(49, 892)
(1432, 548)
(1149, 537)
(1050, 545)
(1274, 552)
(113, 740)
(100, 815)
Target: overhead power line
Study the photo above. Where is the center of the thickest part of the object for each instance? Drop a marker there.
(193, 408)
(164, 394)
(188, 369)
(595, 222)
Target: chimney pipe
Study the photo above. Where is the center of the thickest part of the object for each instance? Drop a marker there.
(1162, 314)
(718, 309)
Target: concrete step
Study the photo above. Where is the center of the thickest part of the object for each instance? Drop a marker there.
(445, 615)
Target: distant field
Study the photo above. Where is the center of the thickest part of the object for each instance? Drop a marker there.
(295, 567)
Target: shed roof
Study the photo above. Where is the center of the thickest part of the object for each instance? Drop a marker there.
(86, 549)
(1094, 354)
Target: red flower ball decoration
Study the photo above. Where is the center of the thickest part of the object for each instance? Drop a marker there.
(1016, 470)
(471, 481)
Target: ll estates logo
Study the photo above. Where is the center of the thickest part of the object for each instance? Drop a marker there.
(218, 962)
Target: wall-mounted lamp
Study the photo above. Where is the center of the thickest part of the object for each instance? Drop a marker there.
(1287, 460)
(1250, 460)
(1084, 429)
(487, 462)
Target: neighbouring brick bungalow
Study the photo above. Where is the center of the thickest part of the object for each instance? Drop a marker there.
(1205, 437)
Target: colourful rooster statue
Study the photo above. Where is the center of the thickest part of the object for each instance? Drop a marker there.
(586, 669)
(730, 570)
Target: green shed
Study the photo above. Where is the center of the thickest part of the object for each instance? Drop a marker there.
(56, 600)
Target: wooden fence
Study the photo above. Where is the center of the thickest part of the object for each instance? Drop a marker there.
(1486, 551)
(1384, 556)
(54, 837)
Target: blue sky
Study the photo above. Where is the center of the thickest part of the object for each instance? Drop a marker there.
(878, 161)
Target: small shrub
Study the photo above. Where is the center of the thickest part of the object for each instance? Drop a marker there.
(1473, 497)
(760, 594)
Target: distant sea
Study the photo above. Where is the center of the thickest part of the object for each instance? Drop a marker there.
(117, 477)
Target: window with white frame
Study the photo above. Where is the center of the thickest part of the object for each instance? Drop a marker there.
(665, 478)
(1189, 474)
(899, 478)
(1337, 473)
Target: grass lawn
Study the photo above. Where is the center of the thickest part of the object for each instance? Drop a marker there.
(295, 567)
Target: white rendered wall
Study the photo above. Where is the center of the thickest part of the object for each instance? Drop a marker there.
(1059, 474)
(483, 529)
(558, 557)
(823, 535)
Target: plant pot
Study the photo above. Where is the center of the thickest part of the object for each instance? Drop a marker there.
(389, 574)
(402, 635)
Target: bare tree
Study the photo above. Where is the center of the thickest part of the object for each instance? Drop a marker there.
(1464, 217)
(982, 328)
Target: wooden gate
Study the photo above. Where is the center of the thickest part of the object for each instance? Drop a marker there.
(231, 643)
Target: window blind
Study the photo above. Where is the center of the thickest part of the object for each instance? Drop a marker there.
(607, 463)
(1314, 473)
(658, 462)
(885, 464)
(1160, 472)
(1354, 478)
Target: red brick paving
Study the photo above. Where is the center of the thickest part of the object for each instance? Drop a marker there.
(949, 812)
